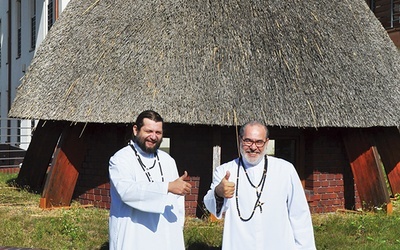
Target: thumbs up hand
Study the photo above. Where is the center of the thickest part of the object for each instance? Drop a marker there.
(225, 188)
(180, 186)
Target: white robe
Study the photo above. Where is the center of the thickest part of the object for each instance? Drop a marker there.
(143, 215)
(285, 221)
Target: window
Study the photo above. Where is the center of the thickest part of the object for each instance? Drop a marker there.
(19, 28)
(33, 24)
(396, 12)
(1, 42)
(387, 12)
(50, 14)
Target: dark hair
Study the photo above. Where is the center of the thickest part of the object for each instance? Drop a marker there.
(150, 114)
(252, 123)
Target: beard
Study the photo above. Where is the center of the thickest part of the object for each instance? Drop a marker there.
(141, 142)
(252, 161)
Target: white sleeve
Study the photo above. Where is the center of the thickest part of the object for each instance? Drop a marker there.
(299, 214)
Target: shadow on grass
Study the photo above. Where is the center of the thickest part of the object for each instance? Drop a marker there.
(201, 246)
(12, 182)
(105, 246)
(194, 246)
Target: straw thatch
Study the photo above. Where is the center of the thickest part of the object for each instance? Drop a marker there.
(292, 63)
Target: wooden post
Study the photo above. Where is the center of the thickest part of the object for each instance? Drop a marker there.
(367, 172)
(216, 156)
(216, 148)
(68, 159)
(388, 145)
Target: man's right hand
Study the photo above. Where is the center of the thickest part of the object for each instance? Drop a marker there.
(225, 188)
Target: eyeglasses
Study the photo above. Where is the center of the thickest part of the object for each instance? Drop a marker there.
(248, 142)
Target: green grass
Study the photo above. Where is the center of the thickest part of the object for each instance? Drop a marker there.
(357, 231)
(24, 224)
(203, 234)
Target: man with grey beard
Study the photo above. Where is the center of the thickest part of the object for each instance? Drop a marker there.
(147, 195)
(261, 198)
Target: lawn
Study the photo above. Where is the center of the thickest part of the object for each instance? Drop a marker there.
(24, 224)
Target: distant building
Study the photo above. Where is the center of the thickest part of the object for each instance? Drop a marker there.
(23, 26)
(388, 13)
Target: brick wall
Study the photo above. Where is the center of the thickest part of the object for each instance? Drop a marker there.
(328, 192)
(93, 185)
(99, 196)
(329, 184)
(191, 199)
(12, 170)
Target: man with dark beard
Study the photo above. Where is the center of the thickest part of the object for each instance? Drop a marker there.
(262, 198)
(147, 195)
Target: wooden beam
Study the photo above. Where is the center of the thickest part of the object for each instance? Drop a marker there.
(395, 36)
(367, 172)
(388, 144)
(38, 156)
(216, 148)
(216, 139)
(64, 172)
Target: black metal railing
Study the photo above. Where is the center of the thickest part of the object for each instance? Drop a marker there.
(14, 140)
(387, 12)
(33, 32)
(19, 43)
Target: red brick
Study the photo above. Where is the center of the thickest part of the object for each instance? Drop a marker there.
(324, 183)
(190, 197)
(105, 192)
(330, 177)
(327, 202)
(330, 189)
(328, 196)
(105, 198)
(317, 197)
(321, 190)
(339, 176)
(338, 189)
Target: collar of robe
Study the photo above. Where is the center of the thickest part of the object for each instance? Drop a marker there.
(144, 167)
(258, 193)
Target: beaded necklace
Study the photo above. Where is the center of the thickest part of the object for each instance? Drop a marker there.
(145, 168)
(261, 183)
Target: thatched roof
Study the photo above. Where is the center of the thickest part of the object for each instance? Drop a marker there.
(291, 63)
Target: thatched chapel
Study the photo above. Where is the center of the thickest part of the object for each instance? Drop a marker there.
(328, 88)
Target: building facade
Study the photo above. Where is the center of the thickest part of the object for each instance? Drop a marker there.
(23, 26)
